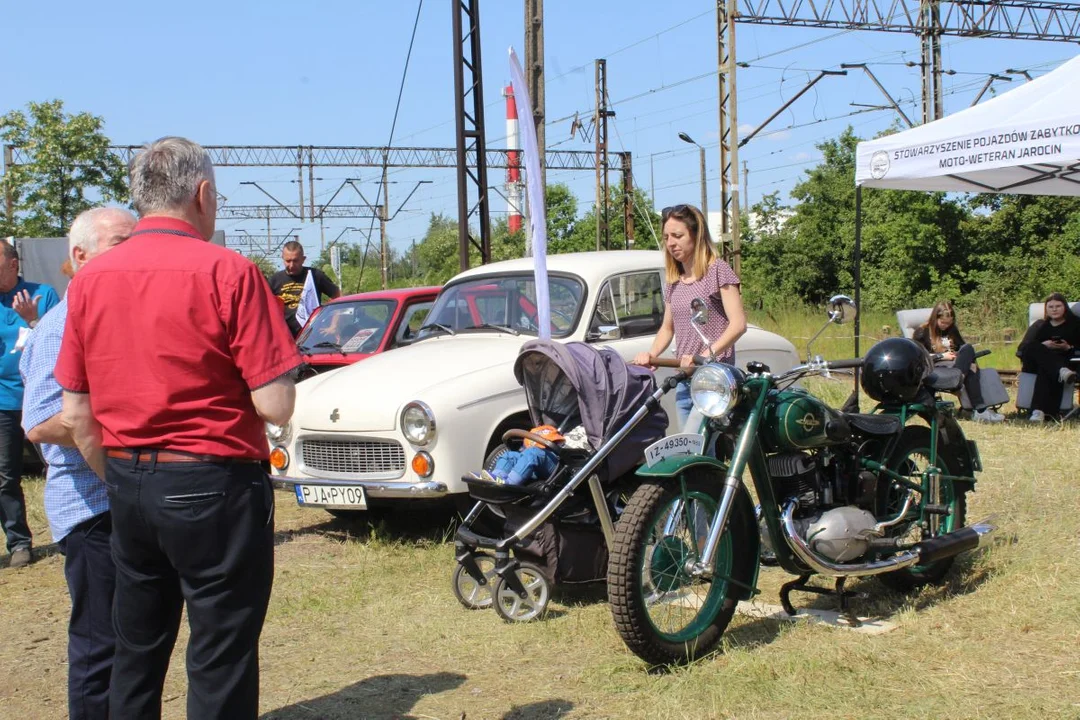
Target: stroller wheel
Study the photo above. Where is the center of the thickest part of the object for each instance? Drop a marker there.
(512, 606)
(470, 593)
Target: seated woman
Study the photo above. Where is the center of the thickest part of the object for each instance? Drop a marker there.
(941, 335)
(1045, 351)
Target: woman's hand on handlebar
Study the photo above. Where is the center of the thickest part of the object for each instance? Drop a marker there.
(645, 359)
(687, 362)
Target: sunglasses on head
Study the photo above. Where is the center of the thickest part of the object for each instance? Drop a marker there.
(673, 210)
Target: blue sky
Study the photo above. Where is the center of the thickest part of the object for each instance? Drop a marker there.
(328, 73)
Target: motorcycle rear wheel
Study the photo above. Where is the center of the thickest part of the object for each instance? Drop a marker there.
(663, 613)
(911, 457)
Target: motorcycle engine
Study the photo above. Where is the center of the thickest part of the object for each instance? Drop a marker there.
(841, 534)
(796, 476)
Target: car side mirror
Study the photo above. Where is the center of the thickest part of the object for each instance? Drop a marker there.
(605, 333)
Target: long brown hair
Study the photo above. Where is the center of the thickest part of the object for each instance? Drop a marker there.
(932, 330)
(1069, 317)
(704, 252)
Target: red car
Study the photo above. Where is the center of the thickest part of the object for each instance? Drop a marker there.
(353, 327)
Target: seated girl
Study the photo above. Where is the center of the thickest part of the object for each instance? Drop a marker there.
(1045, 351)
(940, 334)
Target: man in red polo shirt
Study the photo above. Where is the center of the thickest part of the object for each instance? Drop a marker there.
(174, 354)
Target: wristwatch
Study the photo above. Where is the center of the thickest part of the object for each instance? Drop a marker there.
(33, 323)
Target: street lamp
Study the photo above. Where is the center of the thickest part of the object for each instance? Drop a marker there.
(704, 189)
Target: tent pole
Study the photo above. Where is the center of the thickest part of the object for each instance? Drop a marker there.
(858, 280)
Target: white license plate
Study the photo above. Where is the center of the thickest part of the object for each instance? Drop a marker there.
(678, 444)
(350, 496)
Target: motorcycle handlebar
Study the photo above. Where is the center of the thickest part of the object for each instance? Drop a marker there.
(674, 362)
(844, 364)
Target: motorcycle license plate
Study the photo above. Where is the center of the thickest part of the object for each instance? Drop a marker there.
(345, 496)
(672, 445)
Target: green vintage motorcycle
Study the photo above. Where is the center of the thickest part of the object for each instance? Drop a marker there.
(841, 494)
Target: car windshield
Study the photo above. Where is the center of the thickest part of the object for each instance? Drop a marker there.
(347, 327)
(495, 304)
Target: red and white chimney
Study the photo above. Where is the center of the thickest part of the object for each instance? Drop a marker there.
(513, 170)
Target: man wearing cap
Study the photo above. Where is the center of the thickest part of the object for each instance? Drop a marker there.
(174, 354)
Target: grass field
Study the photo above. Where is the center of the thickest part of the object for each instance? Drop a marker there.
(362, 624)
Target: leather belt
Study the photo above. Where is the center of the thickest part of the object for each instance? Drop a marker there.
(170, 456)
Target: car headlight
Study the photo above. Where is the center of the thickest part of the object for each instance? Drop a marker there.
(279, 434)
(418, 423)
(714, 389)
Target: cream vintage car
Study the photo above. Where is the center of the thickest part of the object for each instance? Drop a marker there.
(407, 424)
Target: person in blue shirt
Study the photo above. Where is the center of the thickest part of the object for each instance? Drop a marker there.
(23, 304)
(76, 500)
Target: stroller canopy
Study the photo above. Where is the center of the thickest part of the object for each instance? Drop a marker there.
(572, 383)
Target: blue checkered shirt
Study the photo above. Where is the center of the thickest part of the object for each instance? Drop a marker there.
(73, 493)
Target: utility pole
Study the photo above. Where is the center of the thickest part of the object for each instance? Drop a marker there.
(600, 130)
(9, 193)
(730, 245)
(384, 213)
(534, 76)
(300, 177)
(628, 201)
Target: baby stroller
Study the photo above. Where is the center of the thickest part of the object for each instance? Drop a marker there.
(552, 532)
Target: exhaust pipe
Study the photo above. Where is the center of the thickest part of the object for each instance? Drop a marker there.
(924, 553)
(954, 543)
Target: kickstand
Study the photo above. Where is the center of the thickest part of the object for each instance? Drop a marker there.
(802, 585)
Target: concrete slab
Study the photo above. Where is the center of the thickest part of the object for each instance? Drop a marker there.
(832, 618)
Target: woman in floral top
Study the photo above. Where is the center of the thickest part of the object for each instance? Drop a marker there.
(693, 270)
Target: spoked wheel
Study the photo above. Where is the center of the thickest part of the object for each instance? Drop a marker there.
(911, 458)
(470, 593)
(512, 607)
(664, 612)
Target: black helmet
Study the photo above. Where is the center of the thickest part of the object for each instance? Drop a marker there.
(894, 369)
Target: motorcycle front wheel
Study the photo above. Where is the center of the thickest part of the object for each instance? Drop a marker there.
(911, 458)
(664, 613)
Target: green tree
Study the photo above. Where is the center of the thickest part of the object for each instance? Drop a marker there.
(265, 265)
(913, 250)
(646, 225)
(70, 168)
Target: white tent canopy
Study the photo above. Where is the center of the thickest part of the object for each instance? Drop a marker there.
(1025, 141)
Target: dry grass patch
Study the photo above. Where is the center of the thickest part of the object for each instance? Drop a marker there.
(362, 624)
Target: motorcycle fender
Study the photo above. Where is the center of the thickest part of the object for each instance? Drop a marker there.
(951, 434)
(672, 466)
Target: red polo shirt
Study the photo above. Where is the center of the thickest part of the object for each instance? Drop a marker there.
(170, 334)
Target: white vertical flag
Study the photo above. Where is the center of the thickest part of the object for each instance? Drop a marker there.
(309, 299)
(535, 192)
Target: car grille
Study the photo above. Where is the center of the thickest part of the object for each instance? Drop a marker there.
(355, 457)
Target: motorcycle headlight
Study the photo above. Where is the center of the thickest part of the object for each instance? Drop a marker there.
(714, 390)
(279, 434)
(418, 423)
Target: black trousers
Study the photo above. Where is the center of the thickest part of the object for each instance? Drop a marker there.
(965, 358)
(1046, 364)
(91, 580)
(200, 533)
(12, 502)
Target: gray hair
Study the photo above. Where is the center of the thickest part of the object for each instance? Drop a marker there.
(84, 231)
(166, 173)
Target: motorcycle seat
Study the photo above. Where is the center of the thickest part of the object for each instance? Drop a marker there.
(945, 379)
(874, 424)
